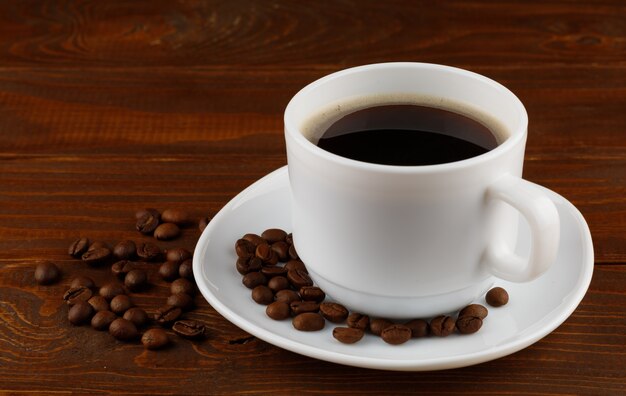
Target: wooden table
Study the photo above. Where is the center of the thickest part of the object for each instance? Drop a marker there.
(107, 107)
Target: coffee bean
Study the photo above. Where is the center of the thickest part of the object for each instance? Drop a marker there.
(442, 326)
(96, 256)
(278, 310)
(203, 223)
(147, 223)
(378, 325)
(348, 335)
(419, 327)
(396, 334)
(262, 295)
(177, 255)
(189, 329)
(120, 304)
(281, 249)
(254, 279)
(186, 270)
(182, 285)
(254, 238)
(169, 270)
(136, 315)
(98, 245)
(176, 216)
(309, 321)
(125, 250)
(167, 314)
(265, 253)
(111, 290)
(83, 281)
(78, 247)
(497, 297)
(77, 294)
(136, 279)
(248, 264)
(468, 324)
(312, 293)
(155, 339)
(289, 239)
(166, 231)
(273, 235)
(273, 271)
(475, 310)
(278, 283)
(99, 303)
(293, 254)
(287, 296)
(102, 320)
(295, 265)
(80, 313)
(180, 300)
(145, 211)
(299, 278)
(244, 248)
(123, 267)
(123, 330)
(358, 321)
(298, 307)
(148, 251)
(334, 312)
(47, 273)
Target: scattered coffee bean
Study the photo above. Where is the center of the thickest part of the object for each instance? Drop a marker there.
(293, 254)
(358, 321)
(136, 315)
(177, 255)
(186, 270)
(125, 250)
(272, 271)
(378, 325)
(254, 238)
(278, 310)
(442, 326)
(47, 273)
(265, 253)
(83, 281)
(244, 248)
(295, 265)
(262, 295)
(180, 300)
(254, 279)
(299, 278)
(148, 251)
(98, 245)
(309, 321)
(203, 223)
(169, 270)
(298, 307)
(475, 310)
(102, 320)
(155, 339)
(348, 335)
(287, 296)
(176, 216)
(167, 314)
(497, 297)
(468, 324)
(145, 211)
(189, 329)
(78, 247)
(281, 249)
(111, 290)
(77, 294)
(123, 267)
(396, 334)
(99, 303)
(274, 235)
(312, 293)
(166, 231)
(333, 312)
(123, 330)
(120, 304)
(278, 283)
(136, 279)
(148, 222)
(248, 264)
(96, 256)
(182, 285)
(419, 327)
(80, 313)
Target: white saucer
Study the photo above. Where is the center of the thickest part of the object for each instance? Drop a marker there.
(535, 308)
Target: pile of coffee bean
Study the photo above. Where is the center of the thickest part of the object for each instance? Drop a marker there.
(270, 267)
(166, 225)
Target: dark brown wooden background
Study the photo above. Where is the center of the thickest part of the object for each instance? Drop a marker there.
(110, 106)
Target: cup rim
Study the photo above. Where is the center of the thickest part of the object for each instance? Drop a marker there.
(513, 140)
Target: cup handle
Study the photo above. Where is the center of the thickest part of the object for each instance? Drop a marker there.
(543, 219)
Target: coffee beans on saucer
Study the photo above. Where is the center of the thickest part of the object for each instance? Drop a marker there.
(497, 297)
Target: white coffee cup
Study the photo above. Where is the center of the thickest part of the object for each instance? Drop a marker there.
(414, 241)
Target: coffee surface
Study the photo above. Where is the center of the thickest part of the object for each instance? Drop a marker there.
(407, 135)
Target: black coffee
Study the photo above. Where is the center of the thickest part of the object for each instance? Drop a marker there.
(407, 135)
